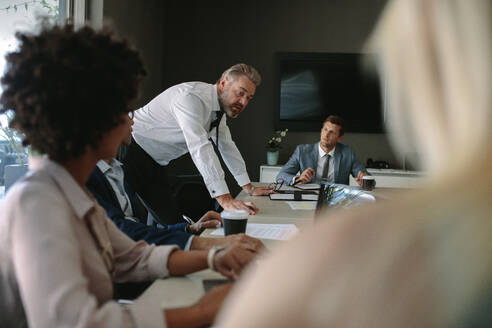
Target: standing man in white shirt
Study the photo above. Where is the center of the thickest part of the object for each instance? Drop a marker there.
(182, 119)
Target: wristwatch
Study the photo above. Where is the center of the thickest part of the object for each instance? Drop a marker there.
(250, 192)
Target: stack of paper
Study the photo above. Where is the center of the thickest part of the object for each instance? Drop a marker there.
(266, 231)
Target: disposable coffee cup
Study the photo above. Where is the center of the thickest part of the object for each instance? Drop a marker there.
(234, 221)
(368, 182)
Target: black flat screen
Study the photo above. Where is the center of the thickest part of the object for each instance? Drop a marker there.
(311, 86)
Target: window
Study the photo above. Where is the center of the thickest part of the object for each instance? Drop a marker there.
(17, 15)
(21, 15)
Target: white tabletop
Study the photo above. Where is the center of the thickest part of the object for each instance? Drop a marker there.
(276, 211)
(179, 291)
(183, 291)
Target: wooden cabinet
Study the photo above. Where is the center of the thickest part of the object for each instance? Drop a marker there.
(390, 178)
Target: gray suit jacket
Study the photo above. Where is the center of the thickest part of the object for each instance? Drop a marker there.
(306, 156)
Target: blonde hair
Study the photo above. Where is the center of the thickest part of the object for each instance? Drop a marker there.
(436, 57)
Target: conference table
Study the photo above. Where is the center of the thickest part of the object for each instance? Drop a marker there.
(184, 291)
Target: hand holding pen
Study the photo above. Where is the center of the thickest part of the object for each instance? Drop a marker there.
(211, 219)
(306, 176)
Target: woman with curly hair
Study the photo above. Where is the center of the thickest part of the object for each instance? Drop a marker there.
(71, 94)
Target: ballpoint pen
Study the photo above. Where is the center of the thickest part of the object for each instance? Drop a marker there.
(190, 221)
(187, 219)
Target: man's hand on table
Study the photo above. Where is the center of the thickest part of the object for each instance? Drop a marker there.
(230, 204)
(240, 239)
(305, 176)
(257, 191)
(244, 241)
(262, 191)
(211, 219)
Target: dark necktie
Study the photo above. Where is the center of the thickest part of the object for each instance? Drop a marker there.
(215, 124)
(326, 167)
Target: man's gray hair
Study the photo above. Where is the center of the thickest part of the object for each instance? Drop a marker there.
(235, 71)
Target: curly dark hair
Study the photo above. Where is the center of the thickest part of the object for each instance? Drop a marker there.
(67, 88)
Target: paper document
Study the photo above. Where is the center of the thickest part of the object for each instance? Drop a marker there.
(266, 231)
(291, 197)
(302, 205)
(308, 186)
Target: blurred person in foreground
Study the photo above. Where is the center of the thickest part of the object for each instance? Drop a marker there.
(71, 94)
(423, 260)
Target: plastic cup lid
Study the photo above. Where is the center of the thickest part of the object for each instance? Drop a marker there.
(234, 214)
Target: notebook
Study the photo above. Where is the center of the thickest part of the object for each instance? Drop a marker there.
(308, 186)
(297, 195)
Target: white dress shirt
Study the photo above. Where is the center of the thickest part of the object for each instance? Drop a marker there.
(321, 164)
(60, 254)
(115, 176)
(178, 121)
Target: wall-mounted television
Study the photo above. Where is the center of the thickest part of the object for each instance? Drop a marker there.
(311, 86)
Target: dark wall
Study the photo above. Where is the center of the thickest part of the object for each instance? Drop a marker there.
(141, 22)
(201, 39)
(198, 40)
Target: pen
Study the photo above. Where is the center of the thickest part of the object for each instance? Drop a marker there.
(187, 219)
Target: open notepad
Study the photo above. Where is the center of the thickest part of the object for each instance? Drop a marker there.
(266, 231)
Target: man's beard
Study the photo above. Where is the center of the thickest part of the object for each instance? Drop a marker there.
(227, 109)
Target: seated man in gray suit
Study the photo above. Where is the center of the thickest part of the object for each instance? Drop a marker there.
(327, 160)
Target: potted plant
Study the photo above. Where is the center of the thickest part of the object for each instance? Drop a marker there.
(273, 146)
